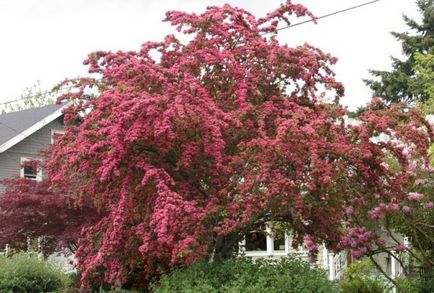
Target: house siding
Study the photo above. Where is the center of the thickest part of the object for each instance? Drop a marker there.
(10, 164)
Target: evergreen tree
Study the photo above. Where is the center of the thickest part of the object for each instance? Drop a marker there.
(401, 84)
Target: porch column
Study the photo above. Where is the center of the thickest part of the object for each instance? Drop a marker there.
(270, 241)
(393, 269)
(332, 274)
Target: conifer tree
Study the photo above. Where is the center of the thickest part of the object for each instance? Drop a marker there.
(401, 84)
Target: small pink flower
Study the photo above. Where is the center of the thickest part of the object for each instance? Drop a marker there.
(400, 248)
(429, 204)
(419, 181)
(415, 196)
(406, 151)
(393, 207)
(309, 243)
(412, 165)
(406, 209)
(350, 210)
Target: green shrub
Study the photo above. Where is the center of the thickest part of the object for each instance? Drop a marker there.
(21, 273)
(362, 285)
(409, 284)
(360, 277)
(426, 281)
(244, 275)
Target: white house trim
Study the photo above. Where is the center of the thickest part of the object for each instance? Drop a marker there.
(54, 133)
(38, 170)
(32, 129)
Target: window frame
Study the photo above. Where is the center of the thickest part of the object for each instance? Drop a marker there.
(270, 251)
(38, 177)
(54, 132)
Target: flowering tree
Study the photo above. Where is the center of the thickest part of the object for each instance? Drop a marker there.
(377, 222)
(190, 145)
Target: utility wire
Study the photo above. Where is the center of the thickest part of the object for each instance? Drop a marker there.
(329, 14)
(279, 29)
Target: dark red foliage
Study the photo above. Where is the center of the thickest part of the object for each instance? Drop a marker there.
(31, 209)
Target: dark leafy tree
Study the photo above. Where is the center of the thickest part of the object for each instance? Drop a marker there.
(400, 83)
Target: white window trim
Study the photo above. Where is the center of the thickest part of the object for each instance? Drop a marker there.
(270, 246)
(332, 263)
(54, 132)
(38, 172)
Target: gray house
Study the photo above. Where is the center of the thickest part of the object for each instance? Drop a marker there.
(23, 135)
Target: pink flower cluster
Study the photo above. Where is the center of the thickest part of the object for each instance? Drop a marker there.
(415, 196)
(406, 209)
(400, 248)
(310, 244)
(358, 239)
(419, 181)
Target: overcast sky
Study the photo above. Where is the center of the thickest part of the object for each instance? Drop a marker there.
(47, 40)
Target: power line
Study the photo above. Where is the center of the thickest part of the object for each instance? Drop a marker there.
(329, 14)
(279, 29)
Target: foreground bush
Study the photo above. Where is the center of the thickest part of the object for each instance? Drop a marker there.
(417, 283)
(27, 274)
(244, 275)
(362, 277)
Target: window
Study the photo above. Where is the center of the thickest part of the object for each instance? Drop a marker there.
(256, 241)
(279, 241)
(264, 241)
(30, 169)
(56, 134)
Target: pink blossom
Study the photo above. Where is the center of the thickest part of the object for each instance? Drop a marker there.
(393, 207)
(356, 254)
(310, 244)
(375, 213)
(412, 167)
(419, 181)
(429, 204)
(415, 196)
(400, 248)
(406, 209)
(406, 151)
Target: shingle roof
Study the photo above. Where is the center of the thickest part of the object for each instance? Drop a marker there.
(16, 126)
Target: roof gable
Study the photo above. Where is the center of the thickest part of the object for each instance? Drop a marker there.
(16, 126)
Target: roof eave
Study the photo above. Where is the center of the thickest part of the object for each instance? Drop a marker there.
(32, 129)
